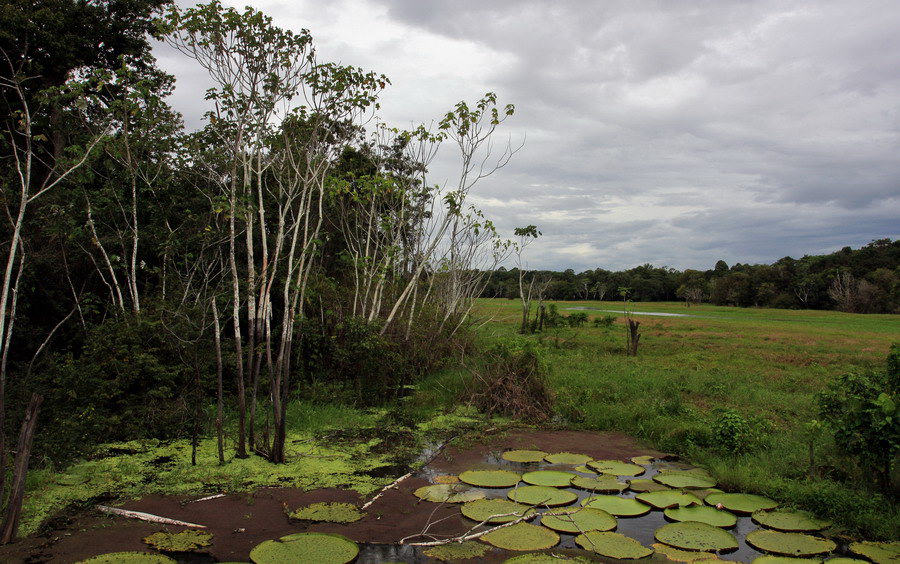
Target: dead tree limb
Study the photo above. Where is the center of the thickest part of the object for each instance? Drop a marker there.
(146, 517)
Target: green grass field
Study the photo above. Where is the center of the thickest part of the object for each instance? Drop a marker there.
(765, 364)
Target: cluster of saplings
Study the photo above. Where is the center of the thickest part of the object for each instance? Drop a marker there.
(865, 280)
(157, 280)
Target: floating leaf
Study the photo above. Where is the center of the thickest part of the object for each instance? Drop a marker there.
(616, 467)
(484, 508)
(678, 555)
(328, 513)
(306, 548)
(601, 484)
(189, 540)
(541, 495)
(522, 536)
(446, 479)
(878, 552)
(685, 479)
(741, 503)
(790, 521)
(580, 520)
(551, 478)
(845, 560)
(618, 506)
(584, 469)
(524, 456)
(645, 485)
(457, 551)
(769, 559)
(642, 460)
(692, 535)
(702, 514)
(448, 493)
(789, 544)
(567, 458)
(668, 498)
(704, 493)
(539, 558)
(129, 558)
(612, 545)
(490, 478)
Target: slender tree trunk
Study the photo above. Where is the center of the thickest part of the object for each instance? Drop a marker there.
(241, 451)
(217, 336)
(633, 336)
(20, 470)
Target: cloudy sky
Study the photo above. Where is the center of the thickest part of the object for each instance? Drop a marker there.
(674, 133)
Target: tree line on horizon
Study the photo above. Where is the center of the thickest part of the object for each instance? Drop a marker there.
(864, 280)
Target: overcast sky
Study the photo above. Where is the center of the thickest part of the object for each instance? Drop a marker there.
(674, 133)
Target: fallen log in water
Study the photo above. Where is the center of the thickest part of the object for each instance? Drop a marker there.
(146, 517)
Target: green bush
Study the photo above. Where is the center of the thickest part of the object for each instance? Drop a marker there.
(512, 382)
(734, 433)
(604, 322)
(577, 319)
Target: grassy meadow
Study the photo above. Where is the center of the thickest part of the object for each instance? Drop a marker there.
(745, 375)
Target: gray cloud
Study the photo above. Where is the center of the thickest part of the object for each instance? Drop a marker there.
(672, 133)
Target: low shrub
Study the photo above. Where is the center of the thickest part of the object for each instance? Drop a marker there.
(512, 382)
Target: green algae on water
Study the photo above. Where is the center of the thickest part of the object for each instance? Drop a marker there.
(129, 558)
(457, 551)
(190, 540)
(328, 513)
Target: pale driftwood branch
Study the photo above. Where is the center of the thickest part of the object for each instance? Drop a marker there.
(146, 517)
(471, 536)
(207, 498)
(384, 490)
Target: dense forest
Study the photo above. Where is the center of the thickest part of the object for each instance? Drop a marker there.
(863, 280)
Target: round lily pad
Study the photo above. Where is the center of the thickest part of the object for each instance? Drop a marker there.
(457, 551)
(129, 558)
(190, 540)
(551, 478)
(877, 552)
(584, 469)
(538, 558)
(541, 495)
(702, 514)
(668, 498)
(524, 455)
(446, 479)
(328, 513)
(580, 520)
(618, 506)
(741, 503)
(602, 484)
(646, 485)
(691, 535)
(789, 544)
(490, 478)
(789, 521)
(612, 545)
(678, 555)
(684, 479)
(702, 494)
(483, 508)
(306, 548)
(845, 560)
(769, 559)
(448, 493)
(642, 460)
(522, 536)
(567, 458)
(616, 467)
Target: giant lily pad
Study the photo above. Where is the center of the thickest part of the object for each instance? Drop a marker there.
(538, 558)
(790, 521)
(685, 479)
(741, 503)
(446, 479)
(678, 555)
(306, 548)
(618, 506)
(845, 560)
(129, 558)
(769, 559)
(567, 458)
(190, 540)
(702, 514)
(612, 545)
(551, 478)
(490, 478)
(328, 513)
(702, 494)
(484, 508)
(646, 485)
(541, 495)
(668, 498)
(602, 484)
(457, 551)
(448, 493)
(616, 467)
(524, 456)
(580, 520)
(878, 552)
(789, 544)
(642, 460)
(584, 469)
(522, 536)
(692, 535)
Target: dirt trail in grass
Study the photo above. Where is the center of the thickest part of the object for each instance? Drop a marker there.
(241, 521)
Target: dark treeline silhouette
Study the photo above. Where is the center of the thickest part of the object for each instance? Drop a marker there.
(863, 280)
